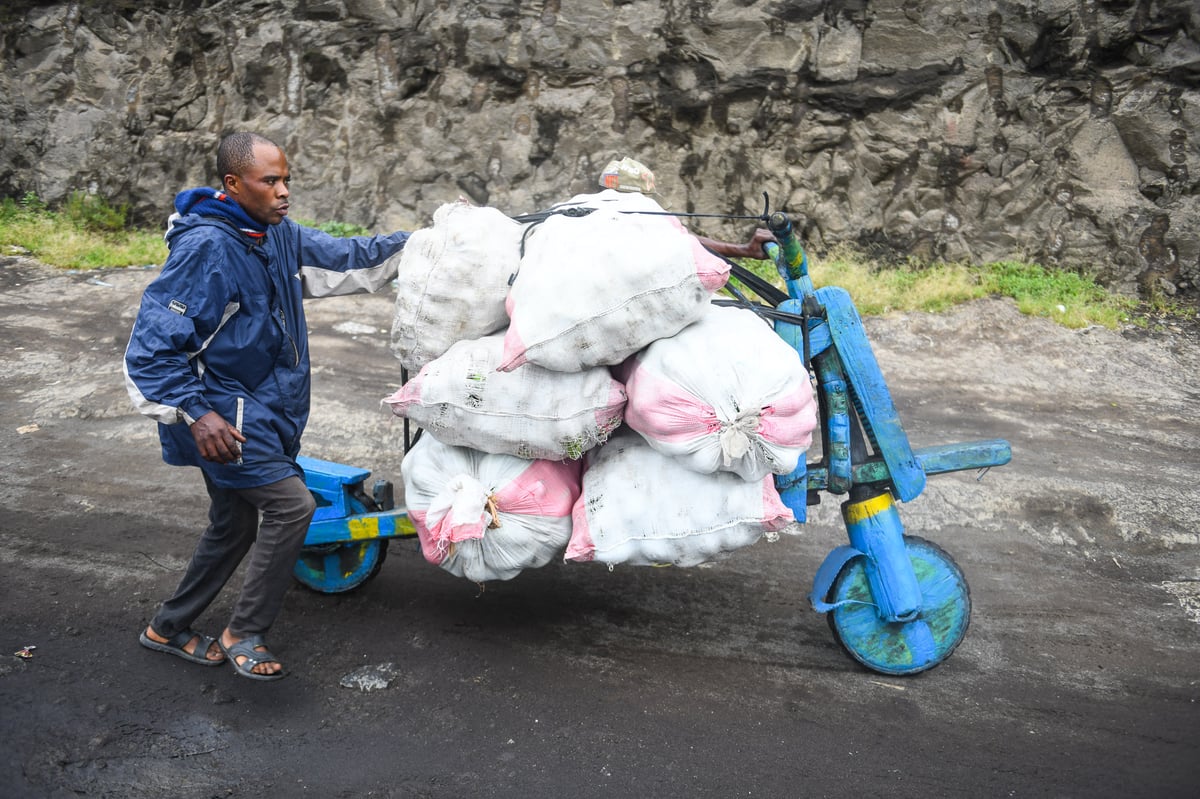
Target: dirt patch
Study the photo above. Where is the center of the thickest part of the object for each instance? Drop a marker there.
(1082, 556)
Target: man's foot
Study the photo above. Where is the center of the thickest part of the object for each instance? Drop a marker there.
(189, 645)
(250, 656)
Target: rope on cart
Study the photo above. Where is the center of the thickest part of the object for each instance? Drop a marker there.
(580, 210)
(765, 311)
(538, 217)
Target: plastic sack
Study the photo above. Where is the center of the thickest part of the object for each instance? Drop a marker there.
(532, 413)
(453, 281)
(723, 394)
(644, 508)
(487, 517)
(595, 289)
(627, 174)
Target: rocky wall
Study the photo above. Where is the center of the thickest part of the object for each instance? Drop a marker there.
(1063, 131)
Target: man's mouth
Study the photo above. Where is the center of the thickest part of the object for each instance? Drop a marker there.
(283, 209)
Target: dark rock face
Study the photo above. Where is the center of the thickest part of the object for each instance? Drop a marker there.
(1062, 131)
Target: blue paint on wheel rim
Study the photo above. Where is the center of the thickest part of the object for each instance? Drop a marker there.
(336, 568)
(903, 647)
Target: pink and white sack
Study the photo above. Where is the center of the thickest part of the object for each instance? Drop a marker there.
(461, 399)
(453, 281)
(487, 517)
(595, 289)
(644, 508)
(723, 394)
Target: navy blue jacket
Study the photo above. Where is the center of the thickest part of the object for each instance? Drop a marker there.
(224, 322)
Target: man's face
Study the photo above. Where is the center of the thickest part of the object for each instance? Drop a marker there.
(262, 190)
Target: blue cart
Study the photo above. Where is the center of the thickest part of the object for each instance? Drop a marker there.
(898, 604)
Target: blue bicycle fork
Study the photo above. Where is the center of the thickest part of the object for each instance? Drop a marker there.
(876, 535)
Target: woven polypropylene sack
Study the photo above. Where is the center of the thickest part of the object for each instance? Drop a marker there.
(452, 281)
(461, 399)
(595, 289)
(487, 517)
(724, 394)
(641, 507)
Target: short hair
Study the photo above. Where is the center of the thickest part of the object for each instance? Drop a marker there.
(235, 153)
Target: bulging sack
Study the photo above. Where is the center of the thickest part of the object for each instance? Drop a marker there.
(641, 507)
(461, 399)
(487, 517)
(453, 281)
(724, 394)
(592, 290)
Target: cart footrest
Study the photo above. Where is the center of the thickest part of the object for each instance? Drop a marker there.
(968, 455)
(933, 460)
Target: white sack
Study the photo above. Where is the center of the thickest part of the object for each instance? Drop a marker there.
(641, 507)
(532, 412)
(726, 393)
(453, 281)
(487, 517)
(595, 289)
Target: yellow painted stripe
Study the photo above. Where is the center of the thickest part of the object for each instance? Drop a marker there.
(363, 528)
(860, 511)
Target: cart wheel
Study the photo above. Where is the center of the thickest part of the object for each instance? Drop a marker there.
(903, 647)
(334, 568)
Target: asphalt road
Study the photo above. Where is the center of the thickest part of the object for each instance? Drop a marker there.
(1079, 676)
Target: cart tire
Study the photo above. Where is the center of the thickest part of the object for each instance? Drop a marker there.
(903, 647)
(335, 568)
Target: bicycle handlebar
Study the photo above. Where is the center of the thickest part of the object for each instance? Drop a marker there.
(788, 254)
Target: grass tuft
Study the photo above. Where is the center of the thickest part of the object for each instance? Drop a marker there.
(1071, 299)
(90, 233)
(86, 234)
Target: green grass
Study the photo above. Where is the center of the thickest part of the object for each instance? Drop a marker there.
(86, 233)
(1071, 299)
(339, 229)
(89, 233)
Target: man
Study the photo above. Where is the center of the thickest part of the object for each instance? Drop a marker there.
(219, 357)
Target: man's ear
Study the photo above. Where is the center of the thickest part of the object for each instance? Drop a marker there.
(232, 184)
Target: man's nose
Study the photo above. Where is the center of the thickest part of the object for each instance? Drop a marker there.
(281, 189)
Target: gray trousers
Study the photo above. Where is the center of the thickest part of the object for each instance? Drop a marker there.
(234, 530)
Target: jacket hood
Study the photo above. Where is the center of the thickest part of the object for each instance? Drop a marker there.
(178, 224)
(216, 204)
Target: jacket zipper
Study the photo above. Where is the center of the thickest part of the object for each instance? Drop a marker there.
(292, 341)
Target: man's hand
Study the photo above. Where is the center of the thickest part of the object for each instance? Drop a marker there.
(751, 249)
(217, 440)
(754, 247)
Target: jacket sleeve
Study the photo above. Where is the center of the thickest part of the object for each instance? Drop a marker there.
(332, 266)
(181, 310)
